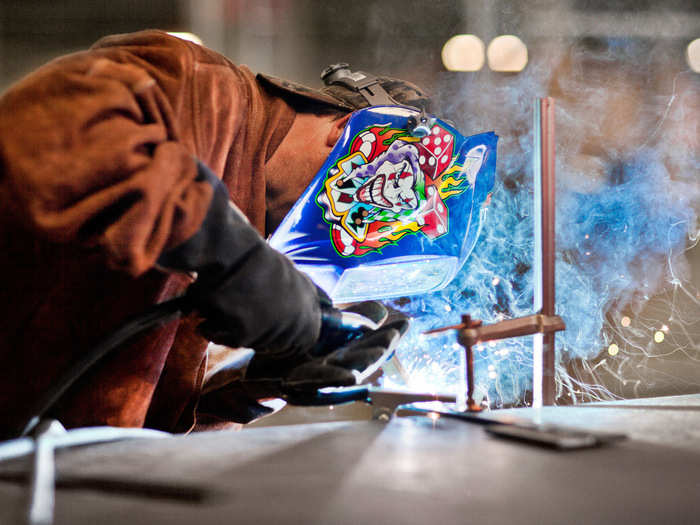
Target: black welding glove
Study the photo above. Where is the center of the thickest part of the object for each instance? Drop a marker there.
(249, 294)
(354, 343)
(352, 346)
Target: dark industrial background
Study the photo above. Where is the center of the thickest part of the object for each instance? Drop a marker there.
(298, 38)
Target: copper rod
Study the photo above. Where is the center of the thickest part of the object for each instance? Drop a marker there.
(470, 324)
(548, 205)
(471, 404)
(531, 324)
(445, 329)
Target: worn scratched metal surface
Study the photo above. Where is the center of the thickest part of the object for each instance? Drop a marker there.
(409, 471)
(672, 421)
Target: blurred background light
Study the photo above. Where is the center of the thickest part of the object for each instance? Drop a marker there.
(507, 53)
(463, 53)
(692, 55)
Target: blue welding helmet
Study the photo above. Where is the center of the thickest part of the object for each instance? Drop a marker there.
(396, 208)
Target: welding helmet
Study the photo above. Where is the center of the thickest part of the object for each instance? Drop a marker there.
(396, 208)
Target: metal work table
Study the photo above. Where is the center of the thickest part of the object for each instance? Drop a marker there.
(412, 470)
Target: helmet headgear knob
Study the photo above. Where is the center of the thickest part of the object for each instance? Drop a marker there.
(420, 126)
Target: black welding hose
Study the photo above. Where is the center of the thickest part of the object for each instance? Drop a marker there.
(153, 316)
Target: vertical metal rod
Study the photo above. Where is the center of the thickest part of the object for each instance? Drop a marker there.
(548, 187)
(548, 205)
(545, 251)
(471, 405)
(470, 376)
(469, 368)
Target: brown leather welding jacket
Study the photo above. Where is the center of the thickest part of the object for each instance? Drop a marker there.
(97, 179)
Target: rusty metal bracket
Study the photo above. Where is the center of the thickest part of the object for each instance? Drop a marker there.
(472, 332)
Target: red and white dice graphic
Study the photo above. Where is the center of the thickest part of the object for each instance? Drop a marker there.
(436, 152)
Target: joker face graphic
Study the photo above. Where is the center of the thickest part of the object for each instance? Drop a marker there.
(392, 188)
(388, 182)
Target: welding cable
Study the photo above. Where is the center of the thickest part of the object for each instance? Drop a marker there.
(154, 316)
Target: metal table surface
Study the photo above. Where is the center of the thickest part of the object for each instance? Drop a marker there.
(412, 470)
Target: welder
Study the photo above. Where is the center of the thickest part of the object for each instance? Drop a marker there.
(136, 170)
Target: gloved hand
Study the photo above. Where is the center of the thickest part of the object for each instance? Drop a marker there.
(353, 344)
(249, 294)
